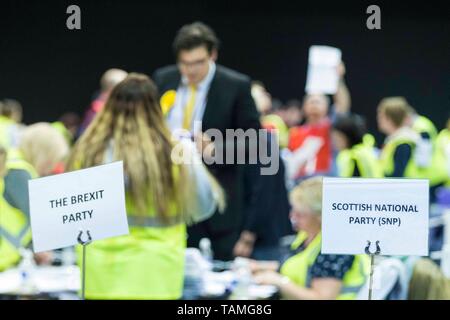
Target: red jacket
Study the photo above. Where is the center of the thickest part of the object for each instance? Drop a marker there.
(322, 160)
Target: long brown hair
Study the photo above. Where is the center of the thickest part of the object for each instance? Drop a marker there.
(131, 126)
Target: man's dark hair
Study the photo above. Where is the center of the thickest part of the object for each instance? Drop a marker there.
(294, 103)
(352, 126)
(277, 104)
(194, 35)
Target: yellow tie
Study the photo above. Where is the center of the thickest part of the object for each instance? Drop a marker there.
(189, 108)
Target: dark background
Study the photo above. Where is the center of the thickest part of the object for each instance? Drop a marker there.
(51, 69)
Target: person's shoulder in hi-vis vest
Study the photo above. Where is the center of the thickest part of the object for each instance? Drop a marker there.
(398, 156)
(356, 156)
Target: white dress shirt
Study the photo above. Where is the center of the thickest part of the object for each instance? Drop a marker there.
(176, 113)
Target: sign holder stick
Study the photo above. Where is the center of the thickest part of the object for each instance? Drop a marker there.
(83, 267)
(372, 260)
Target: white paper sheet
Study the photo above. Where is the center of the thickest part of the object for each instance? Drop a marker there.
(322, 76)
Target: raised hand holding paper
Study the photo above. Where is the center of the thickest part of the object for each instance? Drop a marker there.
(91, 200)
(322, 76)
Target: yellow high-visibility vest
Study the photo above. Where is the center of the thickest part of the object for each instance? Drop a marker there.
(387, 158)
(273, 121)
(8, 133)
(58, 125)
(15, 229)
(443, 156)
(422, 124)
(435, 171)
(369, 140)
(146, 264)
(363, 157)
(298, 268)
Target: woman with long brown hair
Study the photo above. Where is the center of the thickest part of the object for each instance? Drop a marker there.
(161, 197)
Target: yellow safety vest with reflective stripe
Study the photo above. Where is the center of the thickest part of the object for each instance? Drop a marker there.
(363, 157)
(15, 160)
(275, 121)
(424, 125)
(14, 225)
(58, 125)
(14, 232)
(387, 158)
(443, 155)
(7, 132)
(435, 171)
(369, 140)
(146, 264)
(298, 268)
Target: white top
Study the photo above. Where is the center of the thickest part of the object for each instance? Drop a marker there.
(175, 115)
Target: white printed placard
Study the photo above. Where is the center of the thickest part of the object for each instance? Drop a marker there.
(90, 199)
(356, 211)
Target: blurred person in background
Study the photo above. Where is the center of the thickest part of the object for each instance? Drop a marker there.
(397, 155)
(443, 150)
(10, 123)
(269, 120)
(317, 128)
(306, 274)
(429, 162)
(355, 158)
(267, 206)
(11, 222)
(68, 124)
(290, 112)
(263, 99)
(109, 79)
(420, 123)
(197, 90)
(161, 196)
(40, 149)
(3, 155)
(12, 109)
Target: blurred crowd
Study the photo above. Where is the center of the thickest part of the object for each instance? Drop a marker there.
(240, 211)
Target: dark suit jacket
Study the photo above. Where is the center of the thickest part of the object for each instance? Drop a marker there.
(267, 204)
(229, 106)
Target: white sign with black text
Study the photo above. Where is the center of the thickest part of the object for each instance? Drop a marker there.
(357, 211)
(91, 200)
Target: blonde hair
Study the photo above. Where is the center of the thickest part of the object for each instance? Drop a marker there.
(43, 146)
(395, 109)
(131, 126)
(309, 193)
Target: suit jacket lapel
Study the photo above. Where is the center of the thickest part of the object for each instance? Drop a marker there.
(174, 82)
(210, 114)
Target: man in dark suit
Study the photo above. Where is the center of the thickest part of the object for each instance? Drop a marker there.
(196, 89)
